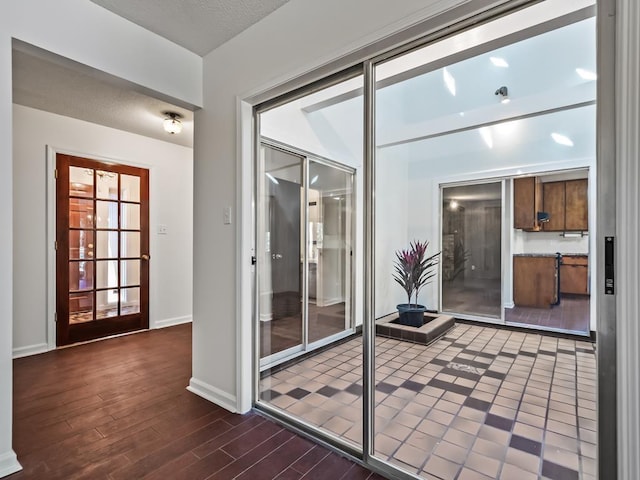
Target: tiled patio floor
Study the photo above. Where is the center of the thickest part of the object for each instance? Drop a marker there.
(480, 403)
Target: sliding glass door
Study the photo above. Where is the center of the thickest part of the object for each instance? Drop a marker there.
(304, 256)
(472, 250)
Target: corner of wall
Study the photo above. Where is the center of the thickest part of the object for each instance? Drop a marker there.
(9, 464)
(213, 394)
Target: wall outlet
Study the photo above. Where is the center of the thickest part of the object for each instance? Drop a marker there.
(226, 215)
(162, 229)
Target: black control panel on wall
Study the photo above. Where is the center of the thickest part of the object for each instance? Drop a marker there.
(609, 272)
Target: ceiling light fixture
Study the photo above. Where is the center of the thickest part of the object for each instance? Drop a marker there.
(499, 62)
(586, 74)
(314, 179)
(504, 94)
(172, 123)
(562, 139)
(449, 81)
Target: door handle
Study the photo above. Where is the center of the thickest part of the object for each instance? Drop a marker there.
(146, 257)
(276, 256)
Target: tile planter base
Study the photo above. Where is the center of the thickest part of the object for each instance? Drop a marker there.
(435, 326)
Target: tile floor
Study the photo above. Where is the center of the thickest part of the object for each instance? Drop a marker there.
(480, 403)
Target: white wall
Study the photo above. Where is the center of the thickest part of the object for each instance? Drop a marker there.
(89, 34)
(170, 204)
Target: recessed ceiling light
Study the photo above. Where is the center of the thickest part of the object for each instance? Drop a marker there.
(314, 179)
(499, 62)
(449, 81)
(461, 114)
(562, 139)
(586, 74)
(485, 133)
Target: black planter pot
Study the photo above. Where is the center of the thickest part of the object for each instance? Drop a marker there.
(411, 314)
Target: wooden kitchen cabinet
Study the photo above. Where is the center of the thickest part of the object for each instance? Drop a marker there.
(527, 202)
(553, 194)
(567, 205)
(535, 281)
(574, 275)
(576, 205)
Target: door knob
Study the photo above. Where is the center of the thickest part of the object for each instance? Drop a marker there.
(276, 256)
(146, 257)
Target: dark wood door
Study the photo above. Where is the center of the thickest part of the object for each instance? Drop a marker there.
(102, 249)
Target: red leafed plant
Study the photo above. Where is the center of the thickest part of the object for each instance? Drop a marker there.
(413, 269)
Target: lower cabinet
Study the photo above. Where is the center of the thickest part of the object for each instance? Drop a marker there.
(574, 275)
(535, 281)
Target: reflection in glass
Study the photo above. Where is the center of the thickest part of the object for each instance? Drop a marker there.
(80, 275)
(80, 182)
(130, 244)
(80, 307)
(129, 188)
(130, 216)
(107, 185)
(106, 273)
(130, 273)
(80, 244)
(107, 244)
(106, 303)
(130, 300)
(107, 215)
(80, 213)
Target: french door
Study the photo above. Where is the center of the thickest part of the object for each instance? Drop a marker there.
(102, 249)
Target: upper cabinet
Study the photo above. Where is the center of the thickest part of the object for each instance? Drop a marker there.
(566, 204)
(527, 202)
(576, 205)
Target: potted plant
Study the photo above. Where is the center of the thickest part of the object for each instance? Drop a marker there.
(413, 270)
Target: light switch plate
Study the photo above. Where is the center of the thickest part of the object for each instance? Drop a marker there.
(226, 215)
(162, 229)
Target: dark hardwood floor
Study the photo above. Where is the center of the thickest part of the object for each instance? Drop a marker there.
(118, 409)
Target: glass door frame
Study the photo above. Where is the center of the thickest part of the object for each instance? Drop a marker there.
(429, 31)
(305, 346)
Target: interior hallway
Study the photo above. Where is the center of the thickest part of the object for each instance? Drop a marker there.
(118, 409)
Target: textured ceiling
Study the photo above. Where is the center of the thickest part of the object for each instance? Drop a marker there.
(66, 89)
(198, 25)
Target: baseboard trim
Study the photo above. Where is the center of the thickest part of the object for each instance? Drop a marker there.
(213, 394)
(9, 464)
(170, 322)
(30, 350)
(509, 305)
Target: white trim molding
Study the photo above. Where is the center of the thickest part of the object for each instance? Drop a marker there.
(29, 350)
(213, 394)
(9, 464)
(628, 225)
(170, 322)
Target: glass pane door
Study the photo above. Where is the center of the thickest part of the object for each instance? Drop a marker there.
(472, 249)
(329, 250)
(103, 244)
(279, 254)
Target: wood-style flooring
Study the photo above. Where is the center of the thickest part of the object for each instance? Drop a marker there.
(118, 409)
